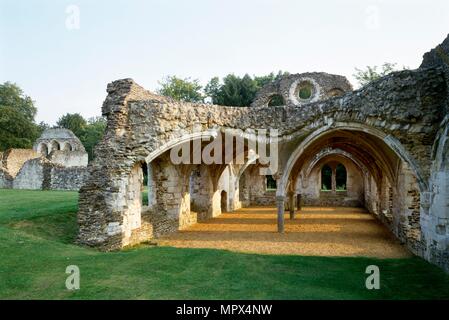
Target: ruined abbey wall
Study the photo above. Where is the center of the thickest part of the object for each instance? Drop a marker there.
(393, 128)
(58, 161)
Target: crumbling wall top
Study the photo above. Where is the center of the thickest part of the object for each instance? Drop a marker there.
(57, 139)
(298, 89)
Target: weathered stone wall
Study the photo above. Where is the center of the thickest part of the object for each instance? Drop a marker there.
(201, 193)
(31, 175)
(69, 158)
(435, 204)
(13, 159)
(253, 188)
(39, 174)
(5, 179)
(310, 185)
(322, 86)
(63, 168)
(406, 210)
(55, 139)
(62, 178)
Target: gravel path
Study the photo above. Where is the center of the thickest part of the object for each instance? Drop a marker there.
(317, 231)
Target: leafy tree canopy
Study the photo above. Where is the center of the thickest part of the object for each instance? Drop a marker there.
(93, 134)
(181, 89)
(12, 96)
(90, 131)
(238, 91)
(371, 73)
(74, 122)
(17, 112)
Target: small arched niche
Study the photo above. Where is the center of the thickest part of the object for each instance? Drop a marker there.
(68, 147)
(43, 149)
(335, 92)
(55, 146)
(276, 100)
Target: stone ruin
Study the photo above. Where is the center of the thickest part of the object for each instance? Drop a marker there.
(58, 161)
(384, 147)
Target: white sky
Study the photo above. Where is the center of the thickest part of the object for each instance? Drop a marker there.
(67, 70)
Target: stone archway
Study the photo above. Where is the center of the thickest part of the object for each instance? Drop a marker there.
(142, 126)
(388, 164)
(392, 144)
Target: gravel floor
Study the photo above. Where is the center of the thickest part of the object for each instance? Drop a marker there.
(317, 231)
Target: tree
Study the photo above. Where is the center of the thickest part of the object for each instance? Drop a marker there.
(371, 73)
(90, 132)
(17, 112)
(181, 89)
(238, 91)
(93, 134)
(74, 122)
(41, 127)
(213, 90)
(11, 95)
(271, 77)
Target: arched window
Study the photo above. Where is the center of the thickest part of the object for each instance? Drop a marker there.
(145, 191)
(271, 183)
(276, 100)
(43, 149)
(340, 178)
(326, 178)
(67, 146)
(55, 146)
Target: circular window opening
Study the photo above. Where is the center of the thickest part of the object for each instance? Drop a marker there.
(305, 90)
(276, 101)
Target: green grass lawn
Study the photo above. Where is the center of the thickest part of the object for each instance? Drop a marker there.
(37, 230)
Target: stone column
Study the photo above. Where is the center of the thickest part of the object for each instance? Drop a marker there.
(150, 185)
(298, 201)
(291, 205)
(280, 201)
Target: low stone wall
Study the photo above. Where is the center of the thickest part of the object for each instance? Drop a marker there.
(339, 199)
(268, 198)
(5, 180)
(40, 174)
(69, 158)
(62, 178)
(31, 175)
(14, 159)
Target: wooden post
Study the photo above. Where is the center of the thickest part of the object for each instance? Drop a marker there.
(280, 201)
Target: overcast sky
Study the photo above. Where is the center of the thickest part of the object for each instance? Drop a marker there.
(64, 63)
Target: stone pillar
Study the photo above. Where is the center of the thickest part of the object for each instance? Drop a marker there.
(298, 201)
(151, 186)
(291, 205)
(280, 201)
